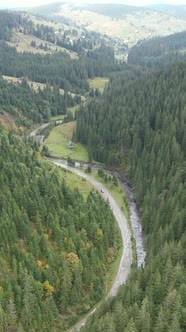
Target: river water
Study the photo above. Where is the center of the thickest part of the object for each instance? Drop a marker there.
(135, 222)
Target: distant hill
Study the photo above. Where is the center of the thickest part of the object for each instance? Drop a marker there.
(112, 10)
(159, 51)
(46, 10)
(173, 10)
(124, 23)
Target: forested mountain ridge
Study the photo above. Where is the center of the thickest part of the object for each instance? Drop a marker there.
(175, 10)
(123, 101)
(160, 51)
(141, 126)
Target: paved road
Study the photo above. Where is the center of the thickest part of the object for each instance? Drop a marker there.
(126, 258)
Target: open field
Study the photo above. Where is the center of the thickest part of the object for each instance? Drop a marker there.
(98, 83)
(57, 117)
(22, 43)
(58, 140)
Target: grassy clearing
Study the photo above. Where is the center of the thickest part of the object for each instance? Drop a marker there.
(98, 83)
(57, 117)
(119, 57)
(57, 143)
(23, 44)
(74, 108)
(75, 181)
(183, 51)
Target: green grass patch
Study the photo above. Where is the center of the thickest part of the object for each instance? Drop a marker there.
(62, 116)
(75, 181)
(57, 143)
(116, 192)
(98, 83)
(73, 109)
(72, 180)
(57, 117)
(183, 51)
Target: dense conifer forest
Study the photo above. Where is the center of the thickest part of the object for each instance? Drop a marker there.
(58, 69)
(56, 245)
(29, 106)
(141, 126)
(159, 51)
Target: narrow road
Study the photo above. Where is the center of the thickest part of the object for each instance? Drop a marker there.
(126, 258)
(34, 132)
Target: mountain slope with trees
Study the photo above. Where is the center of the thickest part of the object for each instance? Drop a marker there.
(55, 245)
(57, 69)
(158, 52)
(141, 126)
(29, 106)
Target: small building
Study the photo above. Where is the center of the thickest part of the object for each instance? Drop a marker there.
(70, 145)
(58, 122)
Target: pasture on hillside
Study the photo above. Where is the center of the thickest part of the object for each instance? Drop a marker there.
(58, 141)
(22, 42)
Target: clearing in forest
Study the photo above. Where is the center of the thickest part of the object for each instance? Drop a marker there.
(22, 42)
(58, 141)
(98, 83)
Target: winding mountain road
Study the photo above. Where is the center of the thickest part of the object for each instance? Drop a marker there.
(126, 258)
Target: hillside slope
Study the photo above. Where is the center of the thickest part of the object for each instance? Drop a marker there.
(141, 124)
(127, 23)
(53, 263)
